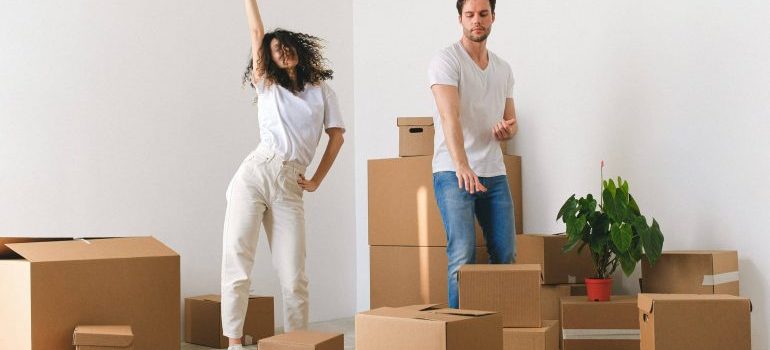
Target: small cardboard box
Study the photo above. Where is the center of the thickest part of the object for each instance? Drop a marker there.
(203, 320)
(304, 340)
(589, 325)
(402, 204)
(692, 272)
(50, 287)
(401, 276)
(103, 338)
(550, 298)
(558, 267)
(694, 322)
(543, 338)
(513, 290)
(428, 329)
(415, 136)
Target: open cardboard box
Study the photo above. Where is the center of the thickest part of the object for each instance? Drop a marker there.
(50, 286)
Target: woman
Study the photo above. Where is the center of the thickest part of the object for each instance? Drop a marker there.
(295, 106)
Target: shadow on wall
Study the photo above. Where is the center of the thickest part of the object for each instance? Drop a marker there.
(751, 276)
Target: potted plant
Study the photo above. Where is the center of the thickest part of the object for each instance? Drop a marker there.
(614, 230)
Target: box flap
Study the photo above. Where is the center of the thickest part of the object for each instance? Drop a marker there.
(460, 312)
(7, 253)
(301, 338)
(414, 121)
(113, 248)
(216, 298)
(500, 267)
(646, 302)
(115, 336)
(425, 307)
(698, 252)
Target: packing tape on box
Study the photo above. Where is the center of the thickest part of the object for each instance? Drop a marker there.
(601, 334)
(722, 278)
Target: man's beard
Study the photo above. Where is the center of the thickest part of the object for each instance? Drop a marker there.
(477, 38)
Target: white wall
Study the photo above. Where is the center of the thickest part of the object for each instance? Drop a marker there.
(128, 118)
(673, 95)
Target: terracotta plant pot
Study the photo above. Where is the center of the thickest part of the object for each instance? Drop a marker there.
(599, 289)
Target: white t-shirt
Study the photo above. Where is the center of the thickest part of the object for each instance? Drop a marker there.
(292, 124)
(482, 104)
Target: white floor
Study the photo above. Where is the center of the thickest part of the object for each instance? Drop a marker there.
(344, 325)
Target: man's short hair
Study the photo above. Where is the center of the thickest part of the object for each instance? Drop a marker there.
(461, 4)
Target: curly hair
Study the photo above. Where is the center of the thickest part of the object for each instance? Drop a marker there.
(311, 67)
(461, 4)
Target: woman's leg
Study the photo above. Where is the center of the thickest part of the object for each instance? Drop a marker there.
(285, 228)
(245, 210)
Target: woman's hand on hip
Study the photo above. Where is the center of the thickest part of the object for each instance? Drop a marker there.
(307, 185)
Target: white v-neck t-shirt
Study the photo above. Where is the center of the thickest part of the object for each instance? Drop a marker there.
(292, 124)
(483, 93)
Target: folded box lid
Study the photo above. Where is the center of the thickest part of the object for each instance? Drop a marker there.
(414, 121)
(646, 301)
(216, 298)
(115, 336)
(97, 249)
(7, 253)
(302, 338)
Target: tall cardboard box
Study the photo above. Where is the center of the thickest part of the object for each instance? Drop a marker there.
(401, 276)
(692, 272)
(609, 325)
(203, 320)
(304, 340)
(402, 204)
(694, 322)
(558, 267)
(550, 298)
(513, 290)
(103, 338)
(51, 287)
(543, 338)
(415, 136)
(442, 329)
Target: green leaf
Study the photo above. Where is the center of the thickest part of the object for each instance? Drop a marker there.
(628, 264)
(569, 203)
(621, 236)
(610, 186)
(571, 242)
(653, 242)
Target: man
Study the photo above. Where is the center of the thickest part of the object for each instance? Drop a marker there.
(473, 90)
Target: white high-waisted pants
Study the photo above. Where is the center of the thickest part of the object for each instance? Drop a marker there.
(264, 191)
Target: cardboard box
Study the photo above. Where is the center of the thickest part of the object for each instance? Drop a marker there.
(103, 338)
(558, 267)
(543, 338)
(203, 320)
(51, 287)
(415, 136)
(513, 290)
(694, 322)
(402, 204)
(401, 276)
(550, 298)
(304, 340)
(610, 325)
(442, 329)
(692, 272)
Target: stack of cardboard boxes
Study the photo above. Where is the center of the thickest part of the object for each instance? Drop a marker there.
(514, 292)
(408, 263)
(540, 301)
(690, 300)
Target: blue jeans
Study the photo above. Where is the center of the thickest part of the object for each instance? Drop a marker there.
(459, 209)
